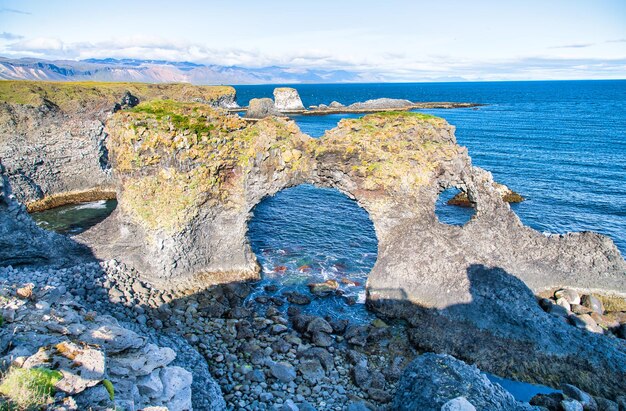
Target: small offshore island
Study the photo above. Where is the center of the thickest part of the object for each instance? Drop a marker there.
(149, 309)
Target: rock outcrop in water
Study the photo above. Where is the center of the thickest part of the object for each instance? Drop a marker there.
(186, 189)
(287, 99)
(52, 138)
(260, 108)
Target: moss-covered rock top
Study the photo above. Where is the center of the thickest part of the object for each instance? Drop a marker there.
(72, 96)
(176, 155)
(173, 156)
(391, 150)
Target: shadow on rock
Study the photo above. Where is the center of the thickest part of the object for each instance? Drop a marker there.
(504, 331)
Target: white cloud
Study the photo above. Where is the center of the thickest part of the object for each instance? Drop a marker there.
(390, 66)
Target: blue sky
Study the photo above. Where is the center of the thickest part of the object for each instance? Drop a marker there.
(389, 40)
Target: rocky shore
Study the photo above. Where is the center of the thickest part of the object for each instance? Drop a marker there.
(152, 309)
(216, 349)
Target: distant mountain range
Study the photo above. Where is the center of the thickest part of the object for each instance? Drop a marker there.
(157, 71)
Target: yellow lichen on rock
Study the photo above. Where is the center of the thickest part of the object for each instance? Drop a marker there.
(163, 201)
(172, 156)
(393, 150)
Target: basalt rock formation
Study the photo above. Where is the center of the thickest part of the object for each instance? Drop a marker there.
(189, 176)
(52, 138)
(22, 242)
(432, 380)
(261, 108)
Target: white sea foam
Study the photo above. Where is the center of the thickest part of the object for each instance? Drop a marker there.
(92, 205)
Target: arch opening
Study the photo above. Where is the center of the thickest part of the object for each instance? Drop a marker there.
(453, 208)
(73, 219)
(317, 244)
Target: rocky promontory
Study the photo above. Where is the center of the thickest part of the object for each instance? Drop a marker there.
(287, 101)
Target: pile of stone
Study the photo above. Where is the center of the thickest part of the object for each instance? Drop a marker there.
(103, 364)
(587, 311)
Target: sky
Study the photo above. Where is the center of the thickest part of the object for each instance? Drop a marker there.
(393, 40)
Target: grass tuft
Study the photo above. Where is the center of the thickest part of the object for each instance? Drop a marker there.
(28, 389)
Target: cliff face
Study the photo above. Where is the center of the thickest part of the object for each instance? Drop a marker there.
(52, 138)
(188, 173)
(22, 242)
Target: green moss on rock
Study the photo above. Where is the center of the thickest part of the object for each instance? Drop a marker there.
(390, 150)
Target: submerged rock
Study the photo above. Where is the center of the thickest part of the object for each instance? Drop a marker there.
(462, 200)
(325, 288)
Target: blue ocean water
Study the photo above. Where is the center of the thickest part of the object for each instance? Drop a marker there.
(561, 144)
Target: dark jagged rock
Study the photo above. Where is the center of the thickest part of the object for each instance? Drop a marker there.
(434, 379)
(22, 242)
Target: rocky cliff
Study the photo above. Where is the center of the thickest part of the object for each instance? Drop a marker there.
(22, 242)
(52, 138)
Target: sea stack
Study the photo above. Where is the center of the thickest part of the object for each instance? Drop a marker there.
(287, 99)
(260, 108)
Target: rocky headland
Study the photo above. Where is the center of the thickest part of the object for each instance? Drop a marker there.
(156, 296)
(52, 137)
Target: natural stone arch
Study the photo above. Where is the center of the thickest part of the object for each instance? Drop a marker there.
(190, 175)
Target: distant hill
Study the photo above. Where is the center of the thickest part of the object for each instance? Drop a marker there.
(158, 71)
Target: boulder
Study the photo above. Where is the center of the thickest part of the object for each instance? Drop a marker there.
(458, 404)
(287, 99)
(568, 295)
(592, 302)
(322, 289)
(432, 380)
(282, 371)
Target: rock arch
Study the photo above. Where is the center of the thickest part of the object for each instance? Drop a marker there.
(189, 176)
